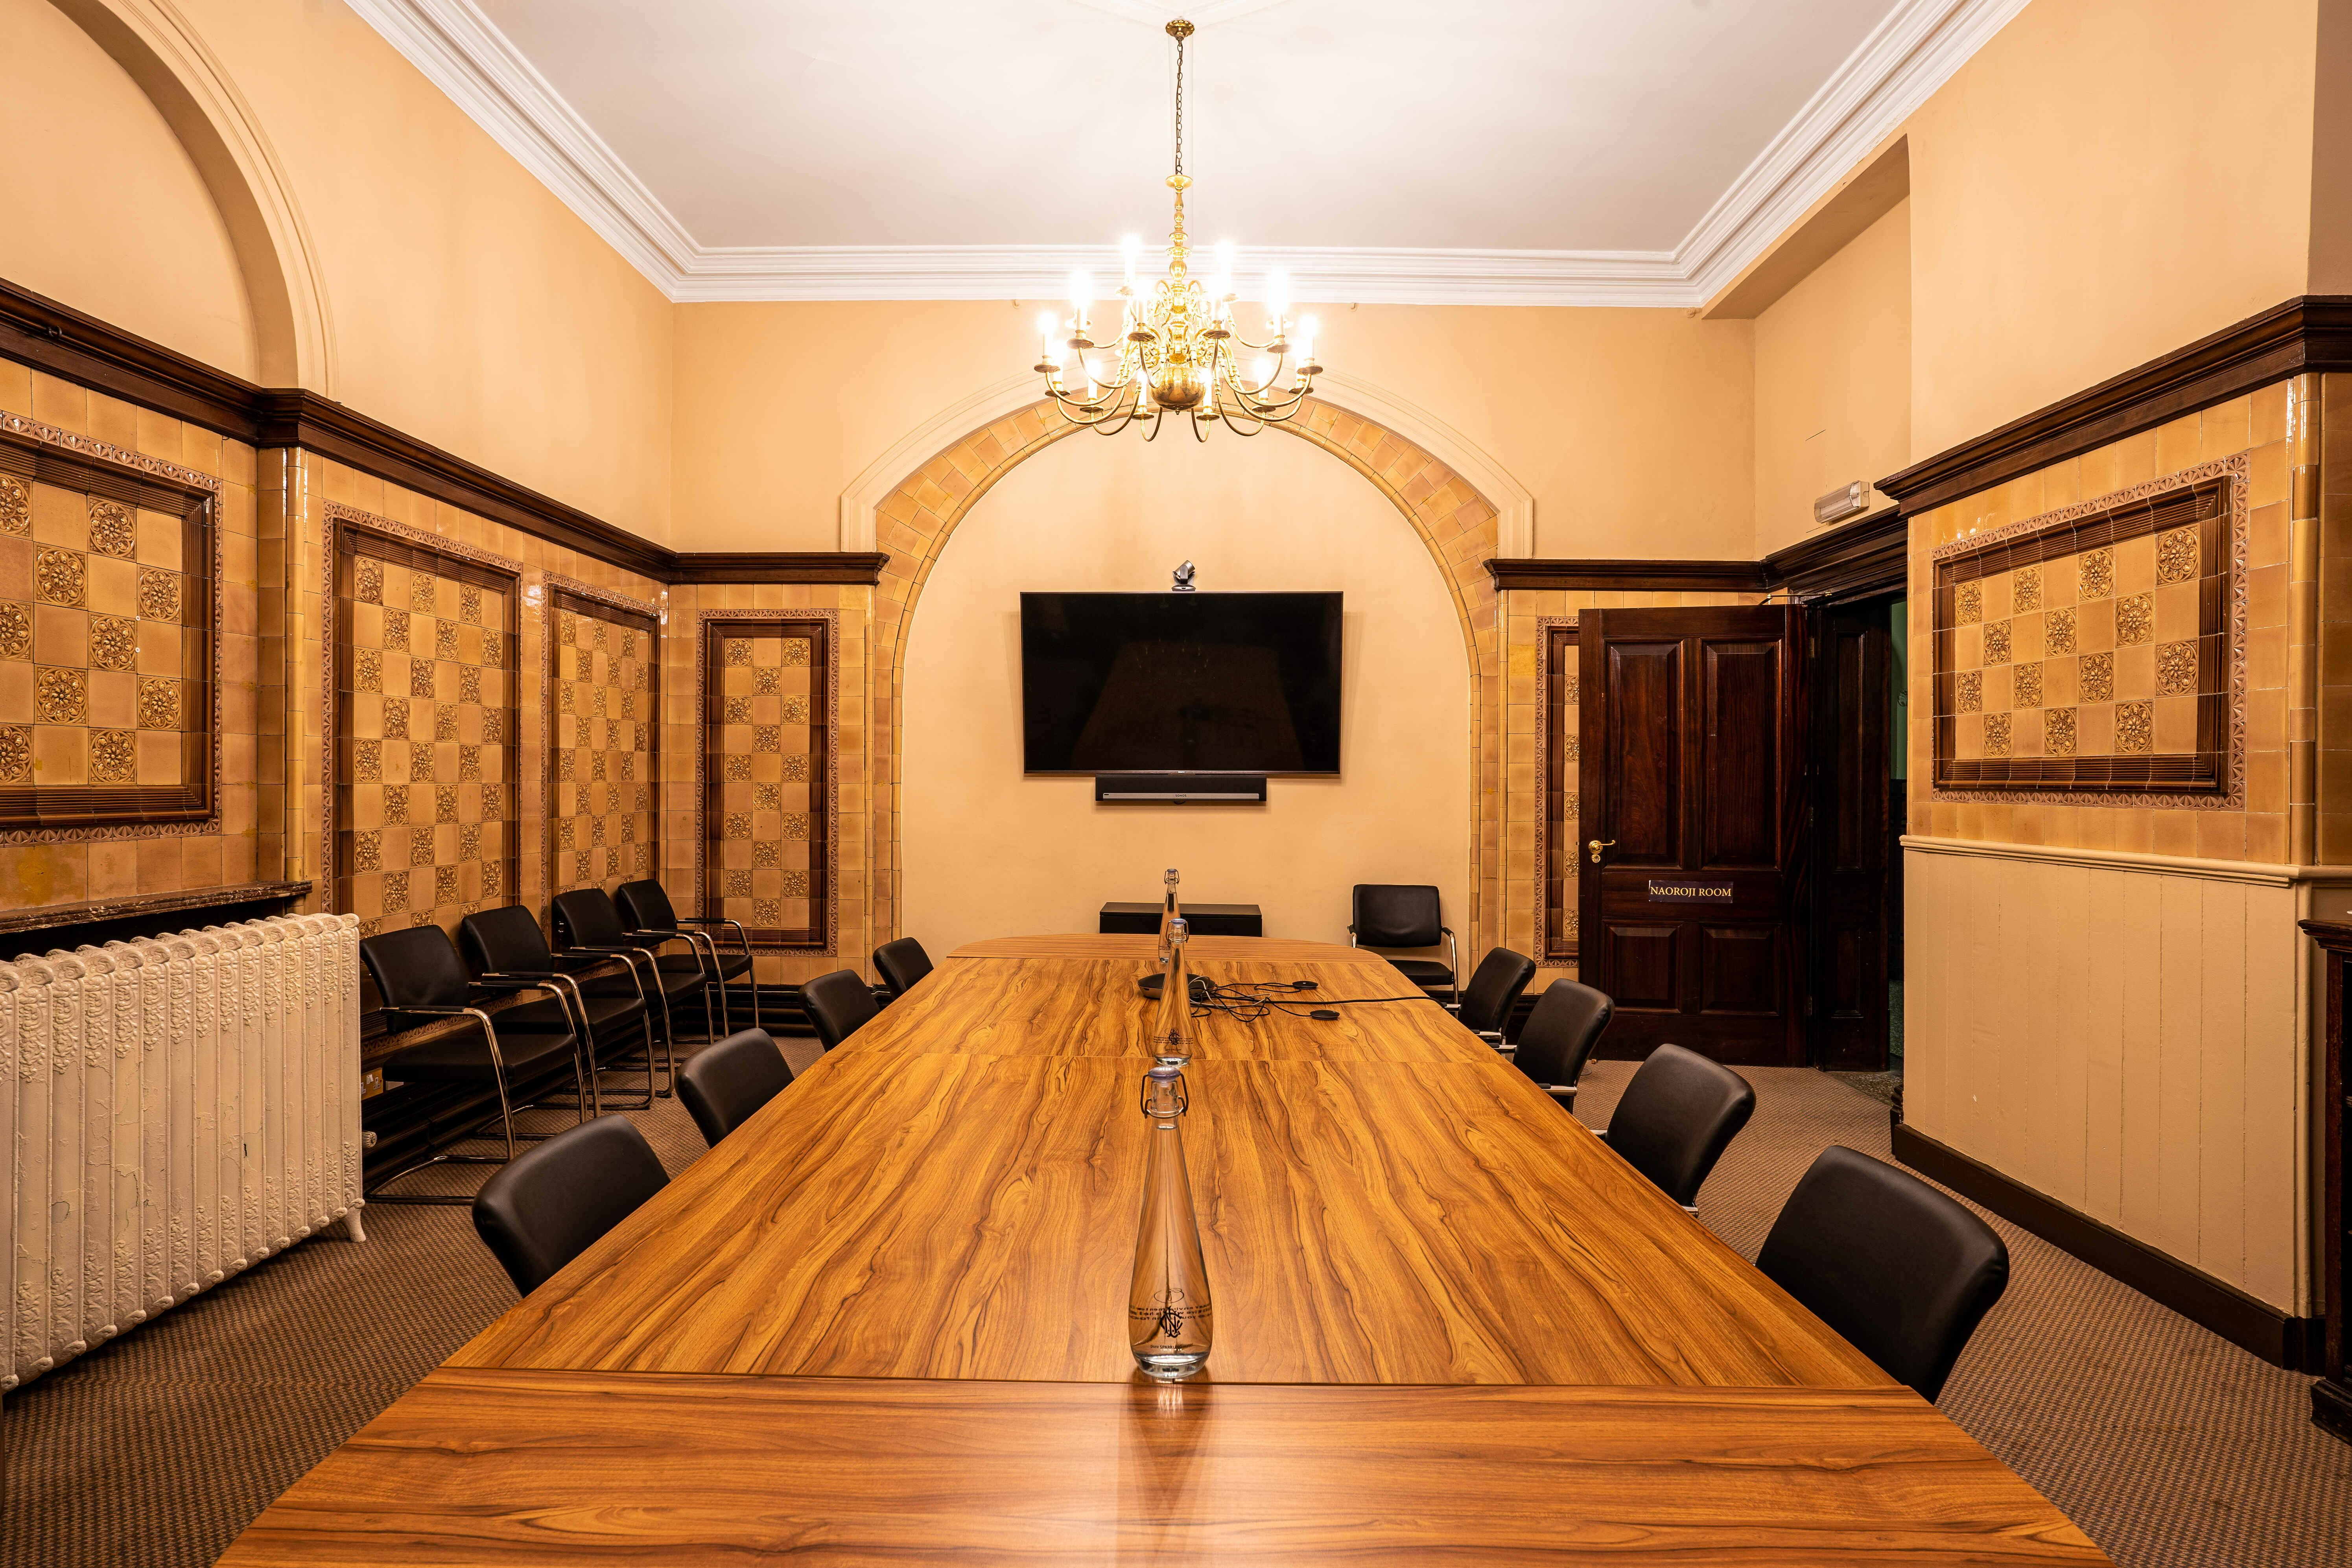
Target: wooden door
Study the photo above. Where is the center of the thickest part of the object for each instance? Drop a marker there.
(1849, 838)
(1690, 828)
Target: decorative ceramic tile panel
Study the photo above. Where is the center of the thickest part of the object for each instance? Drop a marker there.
(767, 702)
(106, 644)
(2098, 648)
(1558, 695)
(425, 728)
(604, 699)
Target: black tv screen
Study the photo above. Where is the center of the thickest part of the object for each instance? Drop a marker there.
(1180, 683)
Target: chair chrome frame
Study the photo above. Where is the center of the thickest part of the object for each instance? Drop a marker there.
(743, 938)
(584, 1037)
(376, 1194)
(629, 954)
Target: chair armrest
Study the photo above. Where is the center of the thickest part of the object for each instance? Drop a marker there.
(490, 1033)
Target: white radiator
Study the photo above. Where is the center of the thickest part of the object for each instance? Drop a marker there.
(172, 1110)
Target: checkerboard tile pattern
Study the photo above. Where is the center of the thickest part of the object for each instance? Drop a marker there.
(103, 653)
(2092, 654)
(606, 731)
(426, 720)
(766, 860)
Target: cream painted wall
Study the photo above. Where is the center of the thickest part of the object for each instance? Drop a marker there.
(103, 209)
(1834, 380)
(470, 307)
(987, 852)
(1633, 428)
(2105, 181)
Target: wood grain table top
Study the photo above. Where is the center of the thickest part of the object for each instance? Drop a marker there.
(885, 1320)
(554, 1468)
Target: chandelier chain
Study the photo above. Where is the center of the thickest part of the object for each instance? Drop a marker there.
(1179, 104)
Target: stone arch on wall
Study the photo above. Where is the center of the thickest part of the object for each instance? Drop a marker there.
(161, 52)
(1460, 524)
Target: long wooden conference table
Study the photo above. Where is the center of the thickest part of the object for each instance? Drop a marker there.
(886, 1320)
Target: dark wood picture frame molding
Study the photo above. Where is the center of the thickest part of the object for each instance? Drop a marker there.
(62, 342)
(823, 627)
(42, 454)
(579, 599)
(351, 533)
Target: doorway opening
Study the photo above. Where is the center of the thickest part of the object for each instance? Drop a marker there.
(1858, 769)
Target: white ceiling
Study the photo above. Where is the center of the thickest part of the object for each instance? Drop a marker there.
(1538, 151)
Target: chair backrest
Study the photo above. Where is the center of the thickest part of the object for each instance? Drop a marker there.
(837, 1004)
(417, 967)
(587, 916)
(901, 964)
(725, 1083)
(1676, 1118)
(646, 906)
(1904, 1272)
(504, 941)
(1487, 1000)
(1567, 1023)
(1390, 914)
(548, 1203)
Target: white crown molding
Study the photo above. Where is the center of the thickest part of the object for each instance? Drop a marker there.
(1913, 50)
(1910, 54)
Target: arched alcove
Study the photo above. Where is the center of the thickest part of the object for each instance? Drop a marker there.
(292, 343)
(1000, 851)
(1456, 524)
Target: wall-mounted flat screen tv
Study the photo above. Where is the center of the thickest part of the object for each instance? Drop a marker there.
(1180, 683)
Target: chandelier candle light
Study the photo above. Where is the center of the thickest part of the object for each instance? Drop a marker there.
(1175, 345)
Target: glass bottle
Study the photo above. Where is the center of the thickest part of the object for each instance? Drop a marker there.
(1168, 1312)
(1171, 1032)
(1168, 912)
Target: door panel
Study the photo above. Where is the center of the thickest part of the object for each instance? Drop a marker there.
(1645, 682)
(1690, 731)
(1640, 960)
(1743, 768)
(1740, 970)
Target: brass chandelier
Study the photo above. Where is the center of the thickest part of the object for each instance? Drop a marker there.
(1176, 349)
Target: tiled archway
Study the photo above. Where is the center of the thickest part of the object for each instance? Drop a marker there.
(1457, 522)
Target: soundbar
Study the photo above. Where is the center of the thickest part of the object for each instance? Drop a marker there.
(1181, 789)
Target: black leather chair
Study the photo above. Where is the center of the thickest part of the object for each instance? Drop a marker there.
(901, 964)
(838, 1005)
(506, 944)
(586, 919)
(420, 979)
(1904, 1272)
(1388, 914)
(1567, 1023)
(1487, 1002)
(645, 910)
(1676, 1119)
(549, 1206)
(721, 1086)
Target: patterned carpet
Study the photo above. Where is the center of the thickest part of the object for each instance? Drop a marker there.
(2171, 1448)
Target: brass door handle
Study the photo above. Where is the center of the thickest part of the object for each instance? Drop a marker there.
(1597, 845)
